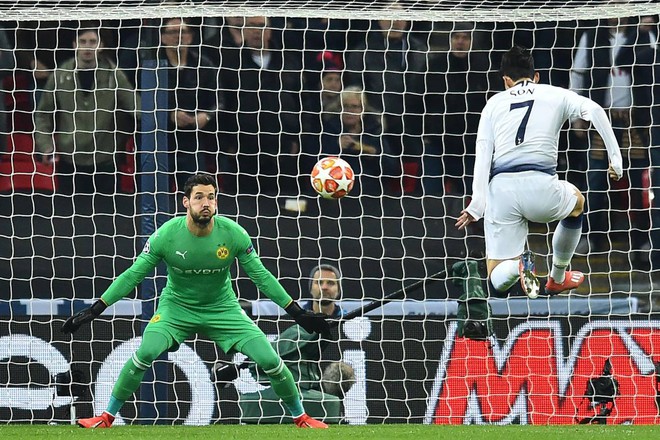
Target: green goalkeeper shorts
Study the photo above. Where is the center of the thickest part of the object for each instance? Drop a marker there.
(230, 328)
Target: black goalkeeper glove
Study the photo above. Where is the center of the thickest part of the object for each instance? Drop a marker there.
(83, 317)
(310, 321)
(225, 373)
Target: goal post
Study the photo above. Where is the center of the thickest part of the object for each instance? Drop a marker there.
(107, 106)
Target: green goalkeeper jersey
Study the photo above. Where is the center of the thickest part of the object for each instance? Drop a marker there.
(198, 268)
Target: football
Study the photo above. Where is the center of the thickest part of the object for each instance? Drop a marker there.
(332, 178)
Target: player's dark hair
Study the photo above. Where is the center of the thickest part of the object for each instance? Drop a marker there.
(199, 179)
(517, 63)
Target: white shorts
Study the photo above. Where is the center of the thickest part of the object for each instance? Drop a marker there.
(516, 198)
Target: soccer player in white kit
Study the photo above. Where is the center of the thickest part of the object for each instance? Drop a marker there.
(515, 179)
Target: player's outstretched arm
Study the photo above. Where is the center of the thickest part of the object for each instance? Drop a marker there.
(310, 321)
(464, 219)
(83, 317)
(593, 112)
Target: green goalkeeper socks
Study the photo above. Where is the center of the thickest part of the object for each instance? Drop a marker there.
(281, 379)
(153, 345)
(129, 381)
(285, 387)
(114, 405)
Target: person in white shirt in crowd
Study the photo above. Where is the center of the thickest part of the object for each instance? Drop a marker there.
(602, 70)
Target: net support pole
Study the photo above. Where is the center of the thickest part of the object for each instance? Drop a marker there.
(154, 211)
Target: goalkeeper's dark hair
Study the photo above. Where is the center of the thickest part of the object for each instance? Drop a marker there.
(517, 63)
(199, 179)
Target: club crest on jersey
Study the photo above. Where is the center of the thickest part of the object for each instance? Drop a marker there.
(155, 318)
(222, 252)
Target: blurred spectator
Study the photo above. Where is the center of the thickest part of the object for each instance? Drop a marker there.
(456, 88)
(261, 124)
(646, 38)
(194, 100)
(602, 71)
(323, 94)
(328, 81)
(388, 66)
(221, 33)
(646, 89)
(307, 356)
(648, 25)
(84, 118)
(325, 290)
(551, 42)
(131, 36)
(7, 64)
(354, 131)
(21, 91)
(21, 171)
(313, 36)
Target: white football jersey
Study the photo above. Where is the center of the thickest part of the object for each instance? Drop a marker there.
(524, 123)
(519, 131)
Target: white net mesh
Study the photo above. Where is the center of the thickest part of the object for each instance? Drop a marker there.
(438, 10)
(107, 107)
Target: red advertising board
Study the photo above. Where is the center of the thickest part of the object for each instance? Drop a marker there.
(535, 377)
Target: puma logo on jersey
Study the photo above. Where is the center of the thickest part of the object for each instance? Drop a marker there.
(181, 254)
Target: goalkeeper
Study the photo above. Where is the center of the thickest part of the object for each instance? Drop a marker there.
(199, 249)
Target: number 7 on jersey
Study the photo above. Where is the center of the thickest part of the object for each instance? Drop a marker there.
(520, 134)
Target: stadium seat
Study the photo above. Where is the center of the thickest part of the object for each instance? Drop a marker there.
(21, 147)
(411, 177)
(26, 176)
(127, 169)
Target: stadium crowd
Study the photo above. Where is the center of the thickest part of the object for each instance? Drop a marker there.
(259, 100)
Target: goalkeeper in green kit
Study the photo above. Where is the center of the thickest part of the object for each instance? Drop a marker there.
(199, 250)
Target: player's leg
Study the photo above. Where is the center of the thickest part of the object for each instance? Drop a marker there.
(153, 345)
(281, 379)
(168, 328)
(235, 331)
(262, 353)
(565, 240)
(566, 237)
(505, 230)
(504, 275)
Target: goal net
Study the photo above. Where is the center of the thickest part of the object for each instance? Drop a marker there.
(108, 107)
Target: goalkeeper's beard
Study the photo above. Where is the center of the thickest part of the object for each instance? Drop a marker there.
(201, 221)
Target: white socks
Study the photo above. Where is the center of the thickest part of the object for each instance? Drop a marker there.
(564, 242)
(505, 275)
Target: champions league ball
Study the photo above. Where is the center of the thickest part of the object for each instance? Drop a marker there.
(332, 178)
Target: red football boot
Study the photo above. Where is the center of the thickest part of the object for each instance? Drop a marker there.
(103, 421)
(306, 421)
(572, 280)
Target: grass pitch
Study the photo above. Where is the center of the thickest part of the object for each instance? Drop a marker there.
(344, 432)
